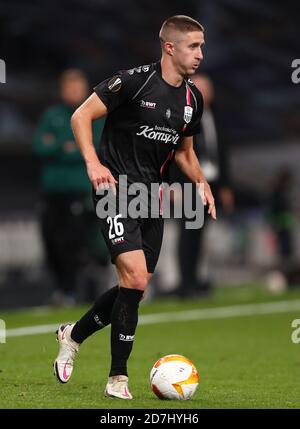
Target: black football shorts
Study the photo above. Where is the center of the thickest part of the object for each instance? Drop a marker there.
(124, 234)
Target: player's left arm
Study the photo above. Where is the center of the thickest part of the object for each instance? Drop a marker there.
(187, 161)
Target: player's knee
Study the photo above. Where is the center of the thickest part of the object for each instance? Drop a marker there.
(138, 281)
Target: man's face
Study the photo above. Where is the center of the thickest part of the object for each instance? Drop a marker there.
(74, 91)
(187, 53)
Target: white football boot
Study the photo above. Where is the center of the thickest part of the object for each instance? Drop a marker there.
(63, 364)
(117, 387)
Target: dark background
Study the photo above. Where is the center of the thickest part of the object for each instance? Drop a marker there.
(249, 50)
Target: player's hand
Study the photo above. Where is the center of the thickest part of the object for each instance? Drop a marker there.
(207, 198)
(100, 176)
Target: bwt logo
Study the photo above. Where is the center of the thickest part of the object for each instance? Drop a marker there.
(2, 71)
(296, 73)
(2, 331)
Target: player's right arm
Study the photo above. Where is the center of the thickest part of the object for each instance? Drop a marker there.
(93, 108)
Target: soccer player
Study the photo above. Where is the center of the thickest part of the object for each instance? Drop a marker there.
(152, 113)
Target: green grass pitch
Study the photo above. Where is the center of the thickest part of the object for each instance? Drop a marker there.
(246, 361)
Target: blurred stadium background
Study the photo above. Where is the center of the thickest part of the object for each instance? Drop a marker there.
(249, 50)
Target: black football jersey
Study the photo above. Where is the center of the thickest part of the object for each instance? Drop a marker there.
(147, 119)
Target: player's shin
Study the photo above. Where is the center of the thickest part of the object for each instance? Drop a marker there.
(124, 320)
(97, 317)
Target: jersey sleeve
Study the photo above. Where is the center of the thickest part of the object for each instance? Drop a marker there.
(118, 89)
(194, 127)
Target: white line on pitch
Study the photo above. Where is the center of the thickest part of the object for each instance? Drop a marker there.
(197, 314)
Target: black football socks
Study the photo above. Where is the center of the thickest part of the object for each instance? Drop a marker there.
(124, 318)
(96, 317)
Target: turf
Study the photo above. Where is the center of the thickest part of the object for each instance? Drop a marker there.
(243, 362)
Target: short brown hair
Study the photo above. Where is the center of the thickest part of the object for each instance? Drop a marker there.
(181, 23)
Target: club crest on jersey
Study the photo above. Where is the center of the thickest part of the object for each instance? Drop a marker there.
(114, 84)
(168, 113)
(188, 113)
